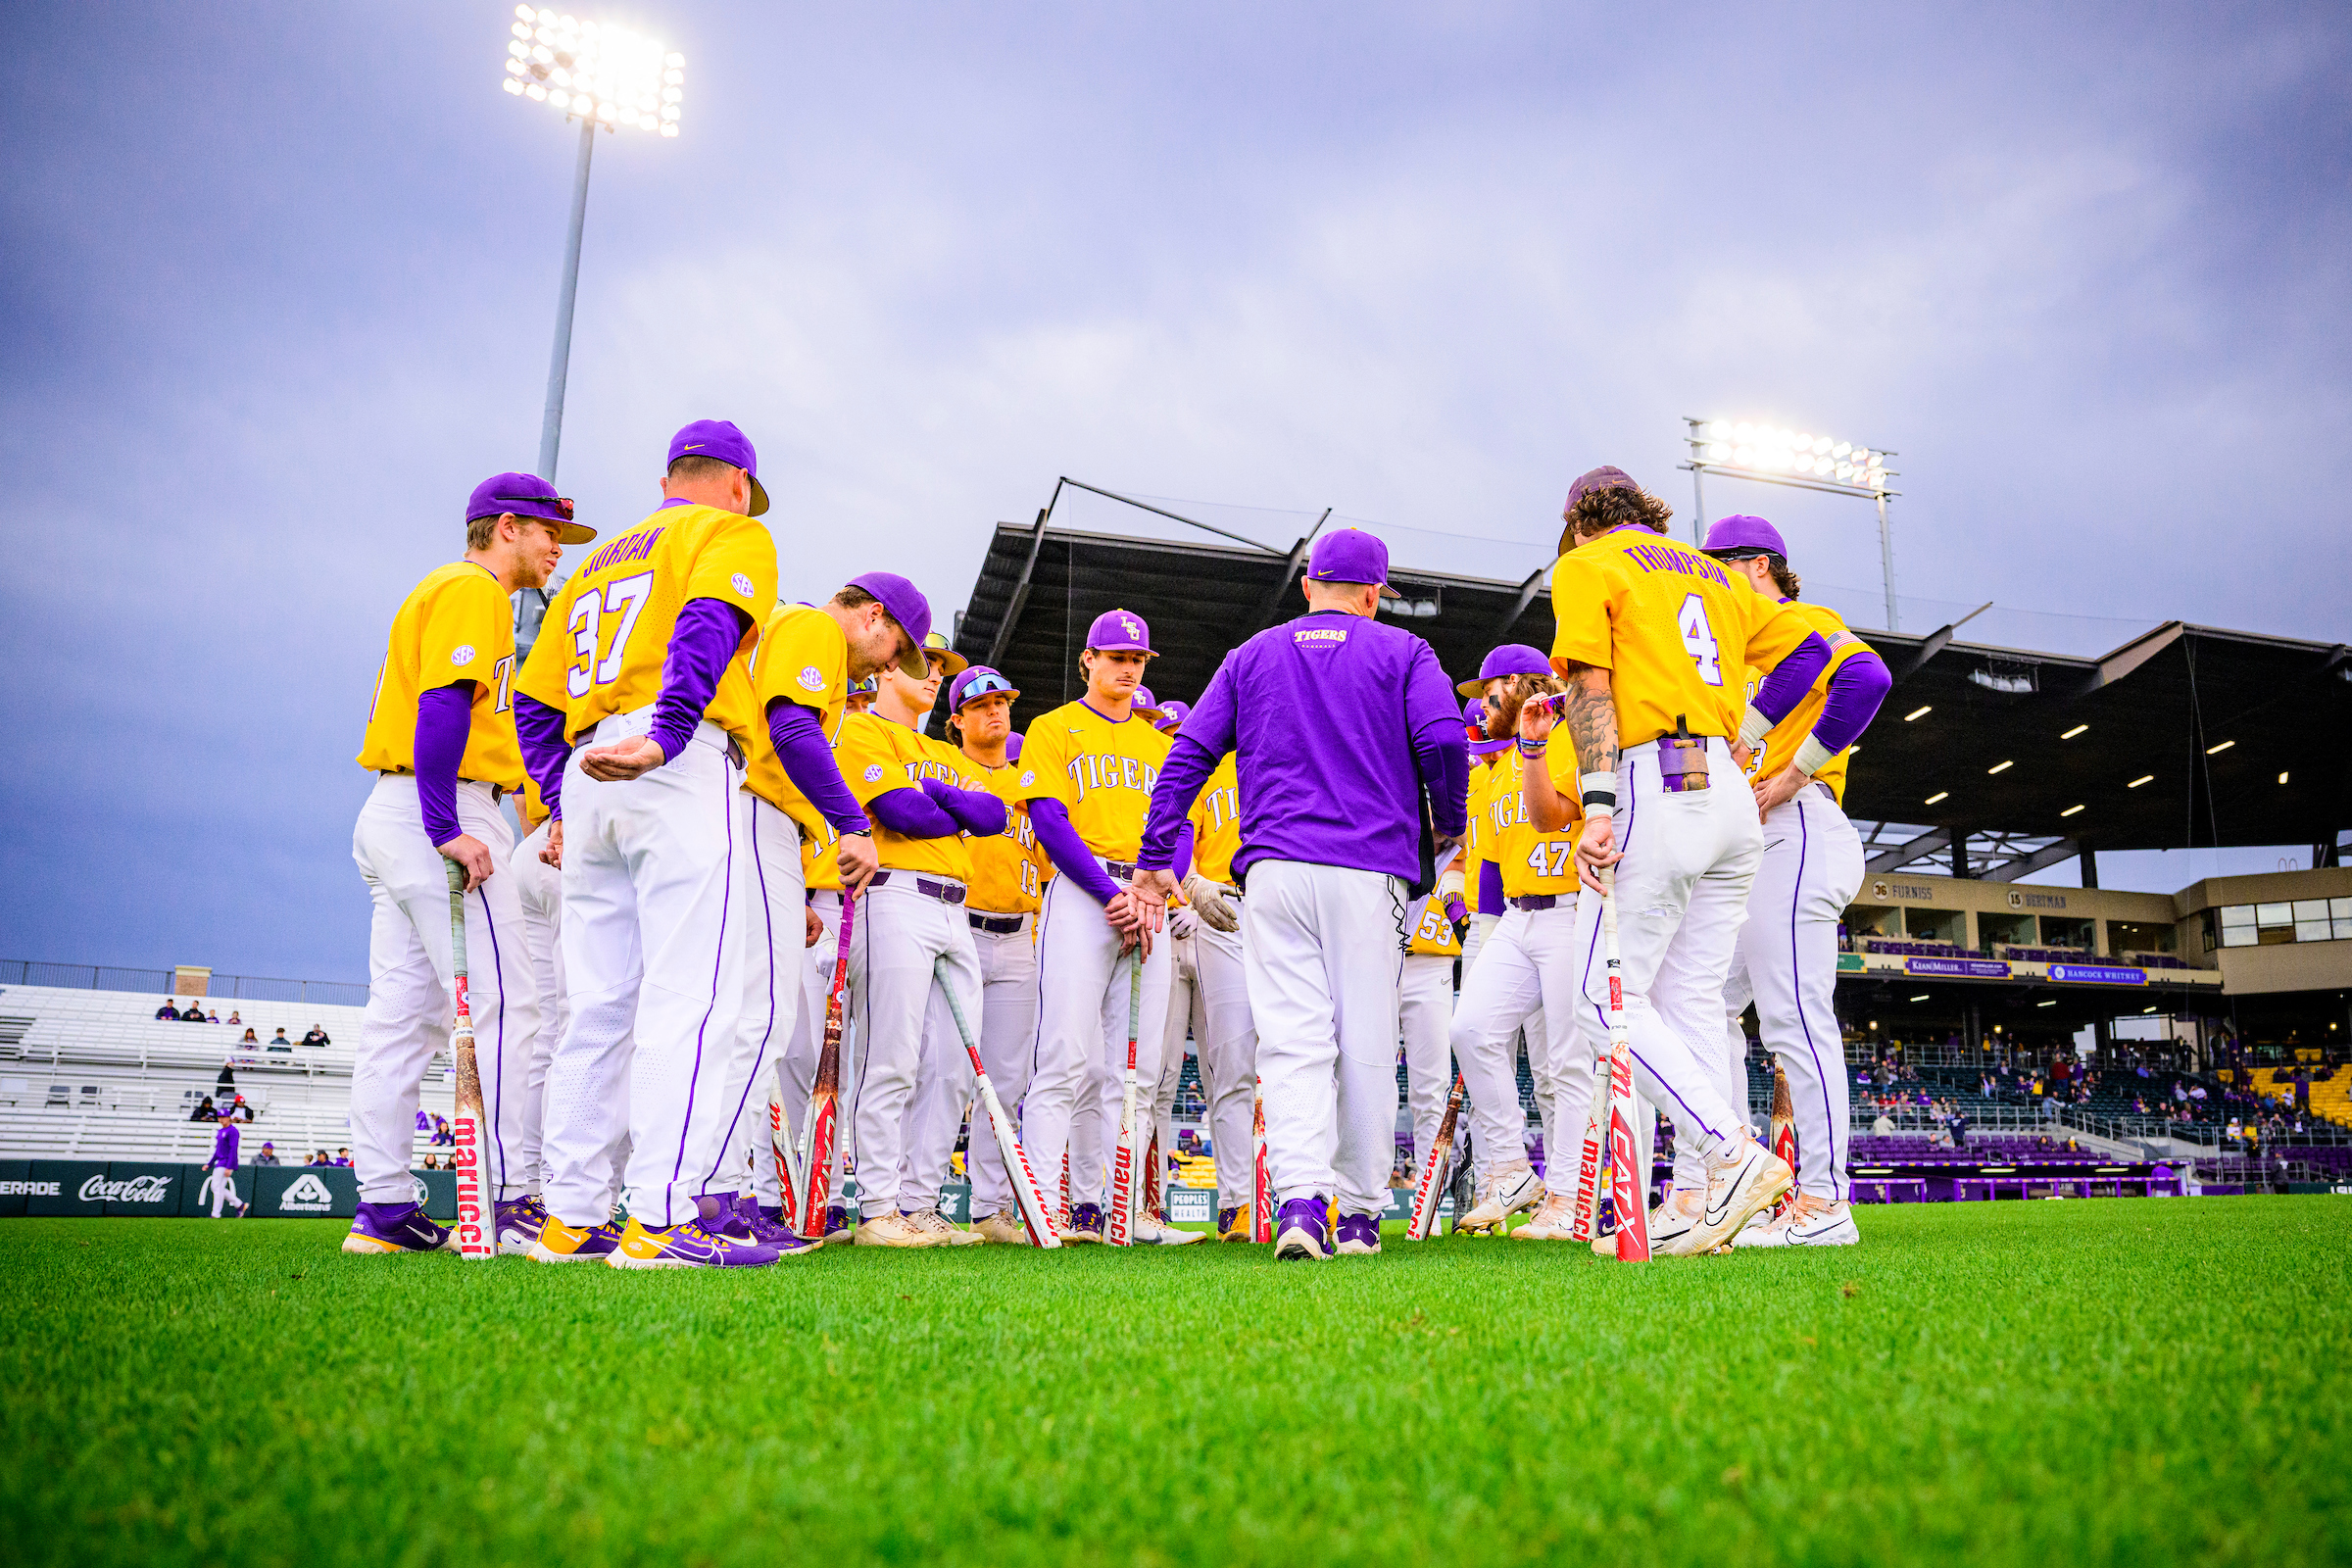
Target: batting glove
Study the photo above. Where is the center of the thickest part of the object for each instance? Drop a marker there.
(1217, 911)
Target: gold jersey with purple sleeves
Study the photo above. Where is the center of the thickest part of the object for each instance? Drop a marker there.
(1218, 822)
(878, 755)
(1676, 631)
(802, 658)
(1101, 771)
(455, 625)
(602, 647)
(1009, 868)
(1533, 862)
(1790, 733)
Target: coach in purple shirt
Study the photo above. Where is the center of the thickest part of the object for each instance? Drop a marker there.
(1352, 773)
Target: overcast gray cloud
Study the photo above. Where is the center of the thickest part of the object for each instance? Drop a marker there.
(280, 286)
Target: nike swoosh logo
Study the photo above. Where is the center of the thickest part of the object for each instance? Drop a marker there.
(1716, 1211)
(692, 446)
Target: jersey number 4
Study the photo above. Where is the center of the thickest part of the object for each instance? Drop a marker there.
(622, 600)
(1698, 639)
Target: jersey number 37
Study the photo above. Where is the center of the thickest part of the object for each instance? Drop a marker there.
(622, 601)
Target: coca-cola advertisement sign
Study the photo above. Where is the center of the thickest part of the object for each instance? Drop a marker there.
(100, 1189)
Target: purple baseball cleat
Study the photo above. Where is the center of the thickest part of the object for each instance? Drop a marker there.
(1086, 1224)
(1359, 1235)
(396, 1228)
(767, 1229)
(1298, 1230)
(722, 1214)
(688, 1246)
(519, 1221)
(837, 1220)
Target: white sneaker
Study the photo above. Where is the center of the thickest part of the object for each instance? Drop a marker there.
(1740, 1180)
(892, 1230)
(1004, 1227)
(1684, 1208)
(1149, 1232)
(1554, 1220)
(1809, 1222)
(1502, 1195)
(931, 1223)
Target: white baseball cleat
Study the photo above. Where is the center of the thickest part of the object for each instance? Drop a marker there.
(1809, 1222)
(1684, 1208)
(931, 1223)
(892, 1230)
(1502, 1194)
(1003, 1227)
(1149, 1232)
(1554, 1220)
(1743, 1177)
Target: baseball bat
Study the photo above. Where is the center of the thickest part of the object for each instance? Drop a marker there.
(1784, 1130)
(1261, 1179)
(1629, 1189)
(1440, 1150)
(1122, 1170)
(1151, 1167)
(477, 1235)
(1035, 1218)
(779, 1144)
(824, 1100)
(1588, 1218)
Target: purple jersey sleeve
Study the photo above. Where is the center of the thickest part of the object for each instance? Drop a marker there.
(545, 750)
(706, 637)
(1856, 689)
(1490, 889)
(1071, 858)
(799, 734)
(444, 722)
(910, 813)
(977, 811)
(1785, 686)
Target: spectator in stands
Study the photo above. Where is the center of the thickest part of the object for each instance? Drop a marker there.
(228, 1074)
(239, 1105)
(442, 1136)
(233, 1020)
(1884, 1127)
(279, 1042)
(192, 1014)
(1959, 1129)
(342, 1157)
(267, 1156)
(2302, 1088)
(249, 1039)
(205, 1111)
(210, 1017)
(317, 1035)
(166, 1010)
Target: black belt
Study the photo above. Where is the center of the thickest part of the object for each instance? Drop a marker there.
(1118, 868)
(1537, 901)
(996, 925)
(943, 892)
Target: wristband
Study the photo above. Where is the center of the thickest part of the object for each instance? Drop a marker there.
(1599, 785)
(1528, 748)
(1753, 729)
(1811, 756)
(857, 833)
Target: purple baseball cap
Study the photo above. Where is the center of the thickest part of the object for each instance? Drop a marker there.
(1119, 631)
(526, 494)
(1013, 747)
(977, 682)
(1511, 659)
(910, 608)
(718, 438)
(1474, 712)
(1350, 555)
(1603, 477)
(1173, 715)
(1746, 534)
(1145, 703)
(871, 686)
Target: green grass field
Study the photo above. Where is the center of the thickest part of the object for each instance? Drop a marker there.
(2131, 1382)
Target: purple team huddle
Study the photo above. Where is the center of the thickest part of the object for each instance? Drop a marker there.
(764, 952)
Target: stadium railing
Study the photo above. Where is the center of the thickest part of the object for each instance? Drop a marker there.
(161, 983)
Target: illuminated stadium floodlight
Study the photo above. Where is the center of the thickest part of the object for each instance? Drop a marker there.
(1771, 453)
(603, 76)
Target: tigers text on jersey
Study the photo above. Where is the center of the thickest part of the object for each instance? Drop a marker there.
(878, 757)
(1009, 868)
(804, 657)
(603, 645)
(1674, 629)
(1217, 823)
(1478, 844)
(1102, 771)
(1532, 862)
(1790, 732)
(458, 624)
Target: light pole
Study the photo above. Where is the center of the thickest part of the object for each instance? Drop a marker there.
(1769, 455)
(603, 76)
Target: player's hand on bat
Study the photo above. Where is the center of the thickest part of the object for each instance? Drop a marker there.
(553, 854)
(1777, 790)
(817, 927)
(857, 860)
(1595, 848)
(623, 760)
(471, 853)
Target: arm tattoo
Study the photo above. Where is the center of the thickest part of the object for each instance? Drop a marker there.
(1593, 719)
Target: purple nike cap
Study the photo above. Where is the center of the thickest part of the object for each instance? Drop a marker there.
(526, 494)
(977, 682)
(1511, 659)
(910, 608)
(1740, 531)
(718, 438)
(1119, 631)
(1350, 555)
(1603, 477)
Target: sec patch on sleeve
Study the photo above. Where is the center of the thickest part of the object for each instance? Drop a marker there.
(812, 679)
(462, 655)
(743, 584)
(874, 772)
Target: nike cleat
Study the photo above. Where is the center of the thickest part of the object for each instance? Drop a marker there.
(396, 1228)
(1502, 1195)
(1742, 1179)
(1359, 1235)
(519, 1221)
(933, 1223)
(1151, 1233)
(1554, 1220)
(559, 1242)
(1003, 1227)
(768, 1230)
(1298, 1230)
(894, 1230)
(1232, 1224)
(1809, 1222)
(1685, 1207)
(687, 1246)
(838, 1221)
(1086, 1224)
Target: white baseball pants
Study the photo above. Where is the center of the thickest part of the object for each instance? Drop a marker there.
(1786, 964)
(1526, 978)
(1689, 860)
(899, 931)
(946, 1093)
(1228, 1055)
(775, 936)
(1079, 1064)
(796, 1072)
(540, 889)
(410, 978)
(1007, 1025)
(1187, 1020)
(221, 1184)
(656, 878)
(1425, 1012)
(1324, 948)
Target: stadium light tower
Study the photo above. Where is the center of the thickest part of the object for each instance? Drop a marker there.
(605, 77)
(1769, 455)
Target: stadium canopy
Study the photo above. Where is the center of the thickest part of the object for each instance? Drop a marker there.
(1985, 762)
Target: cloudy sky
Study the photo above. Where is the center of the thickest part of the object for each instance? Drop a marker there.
(280, 286)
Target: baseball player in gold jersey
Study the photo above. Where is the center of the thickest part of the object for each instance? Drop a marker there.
(1652, 640)
(636, 705)
(1009, 879)
(441, 741)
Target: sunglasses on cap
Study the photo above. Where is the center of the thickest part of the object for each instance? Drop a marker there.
(1744, 554)
(563, 504)
(985, 686)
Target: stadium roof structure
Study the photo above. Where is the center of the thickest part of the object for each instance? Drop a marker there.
(1985, 762)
